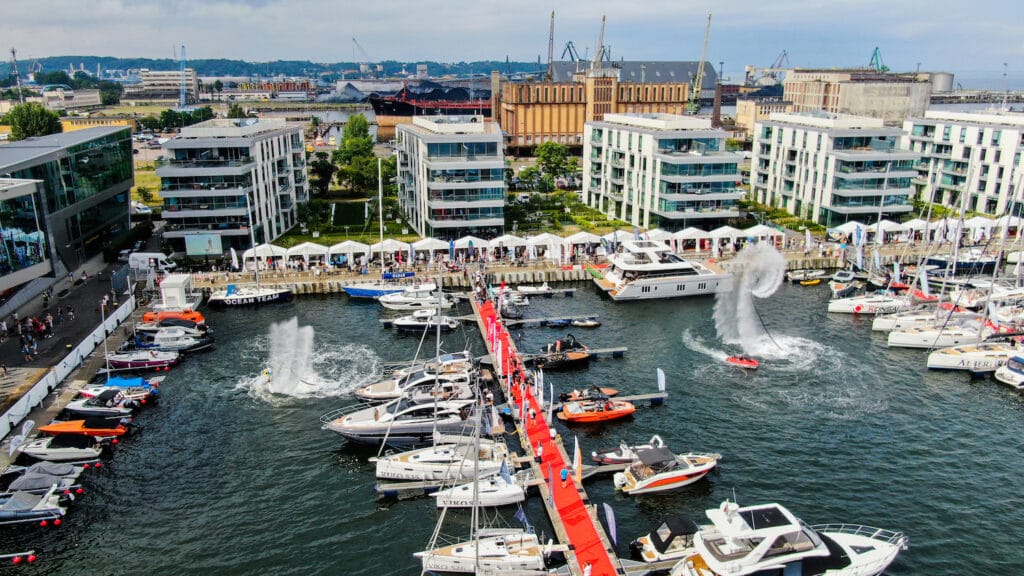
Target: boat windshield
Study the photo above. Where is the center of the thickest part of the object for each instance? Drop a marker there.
(1016, 364)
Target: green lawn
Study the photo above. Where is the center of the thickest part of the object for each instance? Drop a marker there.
(146, 177)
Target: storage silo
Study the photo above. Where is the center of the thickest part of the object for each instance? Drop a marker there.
(942, 82)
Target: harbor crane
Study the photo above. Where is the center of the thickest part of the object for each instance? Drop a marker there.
(599, 48)
(550, 74)
(770, 75)
(693, 105)
(366, 66)
(570, 49)
(17, 78)
(877, 63)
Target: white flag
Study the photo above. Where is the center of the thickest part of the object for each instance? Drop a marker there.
(609, 516)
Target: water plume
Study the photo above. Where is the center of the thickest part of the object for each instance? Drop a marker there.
(757, 272)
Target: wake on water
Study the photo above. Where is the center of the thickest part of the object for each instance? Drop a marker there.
(295, 367)
(757, 271)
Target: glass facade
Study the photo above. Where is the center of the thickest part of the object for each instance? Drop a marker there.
(462, 149)
(23, 236)
(698, 169)
(686, 145)
(468, 195)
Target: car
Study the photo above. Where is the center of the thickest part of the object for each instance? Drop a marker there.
(138, 246)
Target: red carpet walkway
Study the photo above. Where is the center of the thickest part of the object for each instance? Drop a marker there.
(584, 534)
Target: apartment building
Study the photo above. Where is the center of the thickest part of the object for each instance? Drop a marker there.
(969, 159)
(832, 168)
(660, 170)
(163, 85)
(749, 111)
(451, 176)
(227, 174)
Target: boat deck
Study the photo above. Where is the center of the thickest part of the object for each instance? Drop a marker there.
(572, 516)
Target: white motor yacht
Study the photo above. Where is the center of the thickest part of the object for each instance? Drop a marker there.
(174, 340)
(769, 539)
(421, 320)
(452, 462)
(870, 304)
(391, 388)
(1012, 374)
(63, 448)
(671, 540)
(648, 269)
(400, 422)
(980, 357)
(417, 297)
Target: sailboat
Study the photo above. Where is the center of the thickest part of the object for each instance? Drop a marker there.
(386, 284)
(232, 295)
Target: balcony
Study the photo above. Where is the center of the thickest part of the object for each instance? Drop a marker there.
(197, 191)
(169, 168)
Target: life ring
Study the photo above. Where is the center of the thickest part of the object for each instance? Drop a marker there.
(858, 308)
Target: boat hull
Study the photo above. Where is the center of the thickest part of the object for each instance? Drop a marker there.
(980, 358)
(244, 299)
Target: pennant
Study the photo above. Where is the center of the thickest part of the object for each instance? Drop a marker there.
(577, 460)
(609, 516)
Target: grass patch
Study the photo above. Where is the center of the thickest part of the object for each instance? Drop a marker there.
(143, 110)
(146, 177)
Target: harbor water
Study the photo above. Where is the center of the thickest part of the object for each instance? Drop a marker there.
(232, 475)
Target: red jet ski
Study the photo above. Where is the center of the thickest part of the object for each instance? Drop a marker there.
(743, 361)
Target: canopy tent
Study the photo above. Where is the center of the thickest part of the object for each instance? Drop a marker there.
(916, 224)
(349, 248)
(1010, 221)
(552, 245)
(658, 234)
(306, 250)
(265, 251)
(979, 222)
(465, 241)
(726, 232)
(849, 227)
(389, 246)
(506, 240)
(888, 226)
(429, 245)
(582, 237)
(762, 232)
(618, 236)
(692, 233)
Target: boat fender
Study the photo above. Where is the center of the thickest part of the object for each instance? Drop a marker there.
(858, 308)
(619, 479)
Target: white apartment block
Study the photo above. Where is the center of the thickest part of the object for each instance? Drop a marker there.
(969, 159)
(224, 175)
(451, 176)
(660, 170)
(164, 85)
(832, 168)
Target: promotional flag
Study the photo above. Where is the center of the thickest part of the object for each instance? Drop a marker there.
(577, 460)
(234, 259)
(521, 516)
(609, 516)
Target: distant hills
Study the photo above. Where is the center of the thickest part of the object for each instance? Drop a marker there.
(225, 67)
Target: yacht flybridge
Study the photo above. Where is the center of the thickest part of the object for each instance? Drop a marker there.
(646, 269)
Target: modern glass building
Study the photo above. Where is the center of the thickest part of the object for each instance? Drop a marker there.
(24, 250)
(83, 180)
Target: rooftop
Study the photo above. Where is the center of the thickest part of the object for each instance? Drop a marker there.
(20, 151)
(232, 127)
(1002, 117)
(448, 125)
(660, 121)
(822, 119)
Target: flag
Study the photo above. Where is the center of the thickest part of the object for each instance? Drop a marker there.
(577, 460)
(636, 233)
(521, 516)
(234, 259)
(551, 484)
(504, 472)
(551, 403)
(451, 249)
(609, 516)
(807, 238)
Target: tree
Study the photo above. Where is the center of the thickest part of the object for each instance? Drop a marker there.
(353, 148)
(356, 127)
(236, 111)
(145, 194)
(218, 86)
(529, 176)
(322, 170)
(151, 123)
(32, 119)
(552, 158)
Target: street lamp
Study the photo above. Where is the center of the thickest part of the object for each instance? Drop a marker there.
(346, 232)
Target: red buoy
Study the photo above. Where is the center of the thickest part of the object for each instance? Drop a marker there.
(80, 491)
(44, 523)
(32, 558)
(85, 466)
(114, 441)
(16, 560)
(99, 464)
(56, 522)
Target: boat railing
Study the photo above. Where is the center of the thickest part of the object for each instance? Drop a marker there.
(893, 537)
(339, 412)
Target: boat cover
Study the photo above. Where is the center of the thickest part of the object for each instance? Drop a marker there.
(20, 502)
(122, 382)
(677, 526)
(52, 469)
(34, 482)
(656, 456)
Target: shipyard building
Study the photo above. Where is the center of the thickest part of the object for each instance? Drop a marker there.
(969, 159)
(451, 176)
(660, 170)
(831, 168)
(222, 176)
(859, 92)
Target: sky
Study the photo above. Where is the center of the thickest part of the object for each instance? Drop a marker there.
(973, 39)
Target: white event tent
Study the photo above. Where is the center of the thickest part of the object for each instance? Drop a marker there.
(348, 248)
(307, 250)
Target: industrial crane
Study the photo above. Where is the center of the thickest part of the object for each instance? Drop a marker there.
(693, 105)
(599, 49)
(550, 74)
(365, 65)
(767, 76)
(570, 49)
(17, 78)
(876, 62)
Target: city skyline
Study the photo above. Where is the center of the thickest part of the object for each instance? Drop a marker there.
(943, 36)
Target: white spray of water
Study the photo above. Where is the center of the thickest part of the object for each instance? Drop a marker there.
(757, 271)
(295, 367)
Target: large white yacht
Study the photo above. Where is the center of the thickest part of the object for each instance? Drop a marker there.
(769, 539)
(646, 269)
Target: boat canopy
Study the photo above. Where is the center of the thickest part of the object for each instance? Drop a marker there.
(33, 481)
(124, 382)
(671, 529)
(656, 457)
(21, 502)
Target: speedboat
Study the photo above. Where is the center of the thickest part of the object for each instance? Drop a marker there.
(451, 362)
(799, 276)
(96, 427)
(567, 359)
(1012, 374)
(233, 295)
(421, 320)
(595, 411)
(625, 454)
(596, 393)
(23, 507)
(400, 422)
(143, 393)
(191, 328)
(186, 314)
(659, 470)
(392, 388)
(39, 477)
(451, 462)
(173, 340)
(108, 404)
(870, 304)
(417, 297)
(844, 283)
(671, 540)
(372, 288)
(494, 550)
(454, 389)
(769, 539)
(980, 357)
(743, 361)
(510, 311)
(142, 359)
(585, 322)
(63, 448)
(536, 290)
(495, 490)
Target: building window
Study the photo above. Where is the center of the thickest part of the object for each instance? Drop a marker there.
(995, 137)
(945, 133)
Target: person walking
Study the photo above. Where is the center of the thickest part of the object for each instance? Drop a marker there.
(3, 330)
(60, 314)
(71, 312)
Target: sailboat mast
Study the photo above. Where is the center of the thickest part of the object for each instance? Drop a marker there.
(252, 239)
(380, 210)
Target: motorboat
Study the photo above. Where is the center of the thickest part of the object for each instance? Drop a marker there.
(173, 340)
(943, 334)
(870, 304)
(142, 359)
(810, 282)
(510, 311)
(625, 453)
(187, 314)
(394, 387)
(233, 295)
(442, 363)
(39, 477)
(769, 539)
(417, 297)
(595, 411)
(596, 393)
(400, 422)
(454, 389)
(375, 288)
(494, 550)
(648, 269)
(659, 470)
(533, 289)
(844, 283)
(63, 448)
(450, 462)
(24, 507)
(918, 316)
(980, 357)
(968, 262)
(563, 360)
(743, 361)
(491, 491)
(799, 276)
(1012, 374)
(585, 322)
(515, 298)
(421, 320)
(671, 540)
(96, 427)
(191, 328)
(142, 393)
(108, 404)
